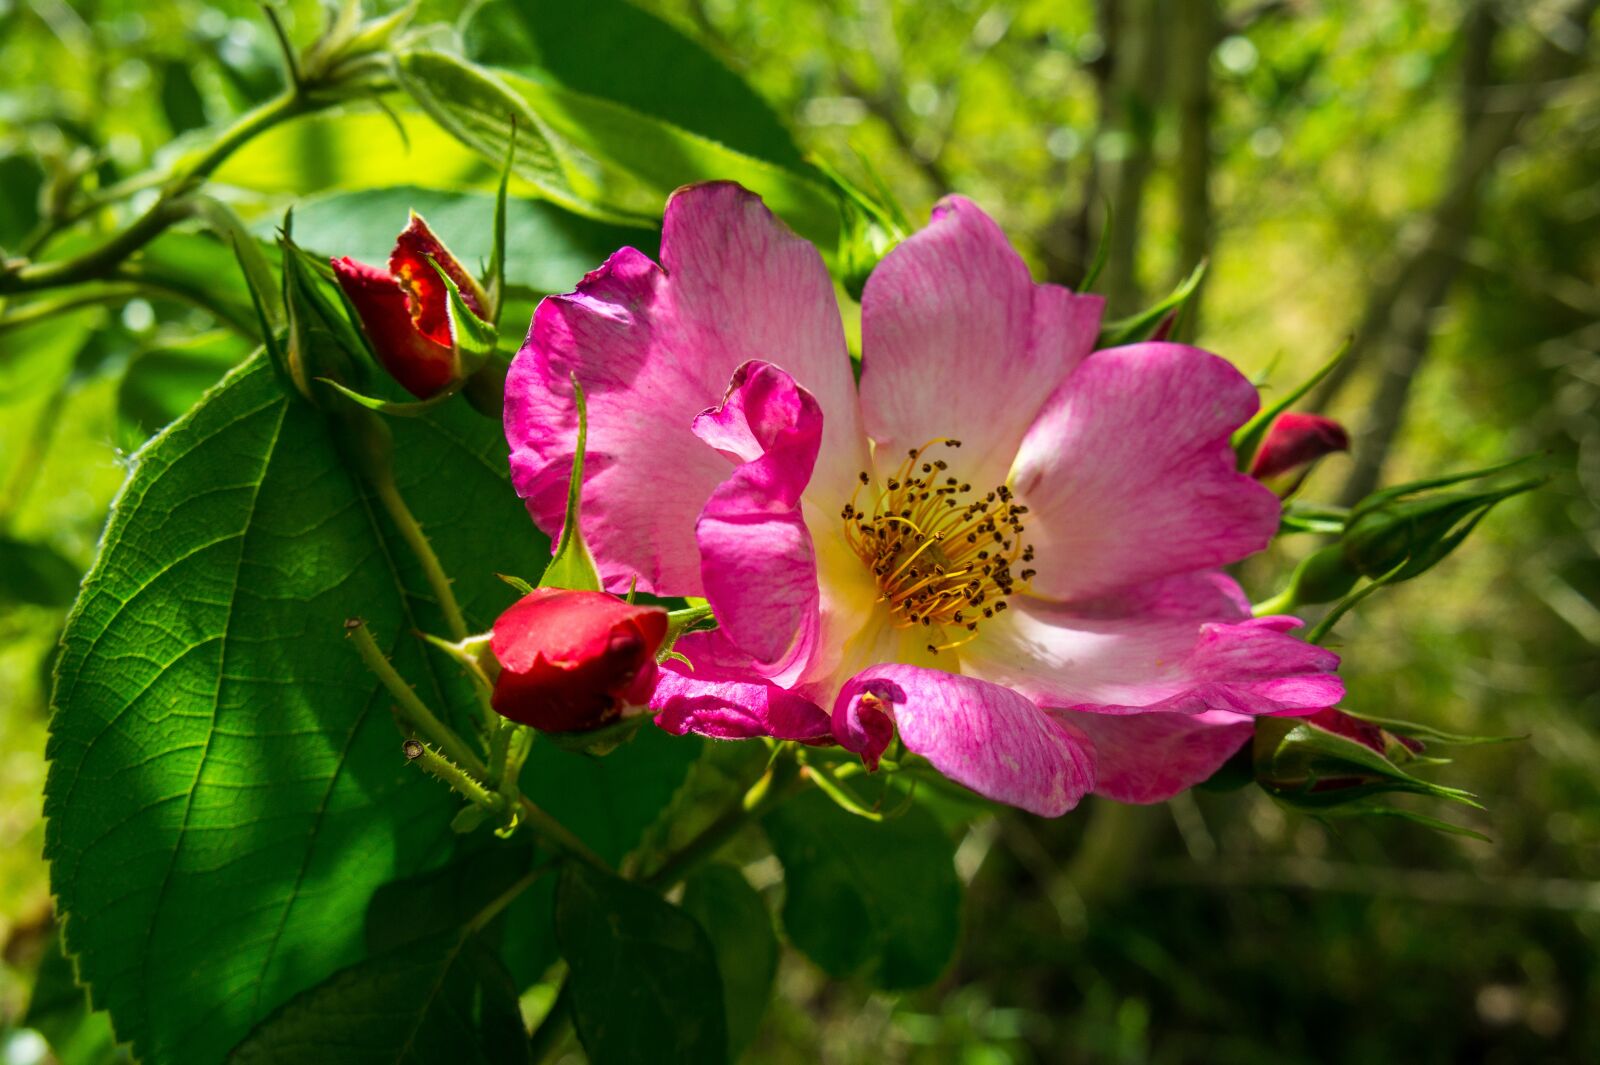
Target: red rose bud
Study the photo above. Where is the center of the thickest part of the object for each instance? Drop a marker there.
(1292, 444)
(405, 309)
(571, 661)
(1365, 733)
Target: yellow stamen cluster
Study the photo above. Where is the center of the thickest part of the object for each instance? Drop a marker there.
(941, 554)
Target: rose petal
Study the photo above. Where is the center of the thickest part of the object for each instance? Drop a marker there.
(1151, 757)
(981, 735)
(1176, 645)
(958, 341)
(758, 567)
(652, 348)
(722, 698)
(1128, 474)
(422, 366)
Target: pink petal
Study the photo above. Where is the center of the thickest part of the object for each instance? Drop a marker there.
(654, 347)
(959, 342)
(1128, 474)
(1178, 645)
(981, 735)
(722, 698)
(758, 567)
(1151, 757)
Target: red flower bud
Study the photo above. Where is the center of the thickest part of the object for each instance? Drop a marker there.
(405, 310)
(1292, 444)
(1363, 732)
(570, 661)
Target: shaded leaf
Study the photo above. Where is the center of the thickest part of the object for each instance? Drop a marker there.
(736, 919)
(611, 49)
(878, 900)
(36, 574)
(643, 978)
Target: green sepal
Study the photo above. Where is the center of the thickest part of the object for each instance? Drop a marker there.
(868, 229)
(573, 566)
(1247, 438)
(407, 409)
(321, 339)
(1139, 326)
(468, 819)
(474, 338)
(1102, 249)
(522, 587)
(1321, 577)
(1296, 760)
(1411, 536)
(1429, 734)
(1315, 518)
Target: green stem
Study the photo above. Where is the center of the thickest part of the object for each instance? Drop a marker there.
(460, 781)
(417, 540)
(167, 209)
(780, 781)
(412, 708)
(1282, 603)
(558, 834)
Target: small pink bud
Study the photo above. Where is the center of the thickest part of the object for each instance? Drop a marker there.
(1292, 444)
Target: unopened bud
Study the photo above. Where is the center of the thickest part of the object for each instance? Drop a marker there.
(572, 661)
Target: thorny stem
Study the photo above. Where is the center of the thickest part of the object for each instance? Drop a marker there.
(417, 540)
(460, 781)
(411, 707)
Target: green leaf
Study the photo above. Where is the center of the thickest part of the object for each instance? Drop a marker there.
(165, 381)
(59, 1010)
(643, 978)
(1139, 326)
(1247, 438)
(36, 573)
(573, 566)
(735, 917)
(37, 357)
(549, 249)
(226, 789)
(878, 900)
(596, 156)
(610, 802)
(611, 49)
(445, 998)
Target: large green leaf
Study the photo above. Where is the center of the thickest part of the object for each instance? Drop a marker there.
(643, 977)
(876, 899)
(226, 789)
(548, 249)
(444, 998)
(597, 156)
(735, 917)
(611, 49)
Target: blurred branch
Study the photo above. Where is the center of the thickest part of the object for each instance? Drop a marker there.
(1421, 885)
(1196, 31)
(1135, 89)
(1396, 325)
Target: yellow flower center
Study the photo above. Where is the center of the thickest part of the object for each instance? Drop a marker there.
(941, 553)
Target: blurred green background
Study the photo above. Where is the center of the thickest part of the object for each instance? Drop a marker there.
(1420, 175)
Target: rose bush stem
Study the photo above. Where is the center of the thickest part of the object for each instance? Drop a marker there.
(417, 540)
(411, 707)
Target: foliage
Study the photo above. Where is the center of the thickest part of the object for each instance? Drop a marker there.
(247, 868)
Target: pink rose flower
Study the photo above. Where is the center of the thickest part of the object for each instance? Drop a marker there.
(999, 547)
